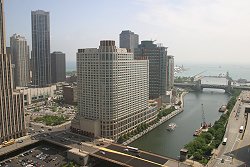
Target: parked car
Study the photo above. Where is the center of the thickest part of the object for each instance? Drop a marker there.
(19, 141)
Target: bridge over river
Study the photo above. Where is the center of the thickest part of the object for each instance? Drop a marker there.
(207, 82)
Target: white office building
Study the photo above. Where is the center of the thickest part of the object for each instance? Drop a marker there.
(113, 91)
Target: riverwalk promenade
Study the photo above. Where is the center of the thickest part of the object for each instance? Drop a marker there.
(162, 120)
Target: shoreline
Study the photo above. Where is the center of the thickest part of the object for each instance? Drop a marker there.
(161, 121)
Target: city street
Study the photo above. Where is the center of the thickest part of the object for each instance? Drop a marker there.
(242, 153)
(228, 154)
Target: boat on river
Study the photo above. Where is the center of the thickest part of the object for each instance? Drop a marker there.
(223, 108)
(204, 126)
(197, 132)
(171, 126)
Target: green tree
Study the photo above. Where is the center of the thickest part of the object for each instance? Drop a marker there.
(121, 139)
(207, 150)
(212, 131)
(197, 156)
(208, 137)
(54, 108)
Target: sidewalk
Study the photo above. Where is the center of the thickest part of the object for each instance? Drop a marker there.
(217, 151)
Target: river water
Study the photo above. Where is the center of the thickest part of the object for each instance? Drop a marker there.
(167, 143)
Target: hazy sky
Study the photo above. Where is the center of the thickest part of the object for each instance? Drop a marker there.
(206, 31)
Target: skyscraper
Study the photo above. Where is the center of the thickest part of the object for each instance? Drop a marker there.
(170, 72)
(112, 91)
(157, 56)
(41, 65)
(58, 67)
(20, 58)
(12, 124)
(129, 40)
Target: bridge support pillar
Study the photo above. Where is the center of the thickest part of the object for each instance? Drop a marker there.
(198, 86)
(229, 87)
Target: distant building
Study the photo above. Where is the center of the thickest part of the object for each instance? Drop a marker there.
(32, 95)
(170, 72)
(70, 94)
(41, 62)
(58, 67)
(20, 58)
(157, 56)
(12, 123)
(8, 51)
(113, 92)
(71, 79)
(129, 40)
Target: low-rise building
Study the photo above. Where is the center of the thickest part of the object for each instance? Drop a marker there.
(71, 79)
(32, 95)
(70, 94)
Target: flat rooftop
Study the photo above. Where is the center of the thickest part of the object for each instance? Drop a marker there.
(57, 144)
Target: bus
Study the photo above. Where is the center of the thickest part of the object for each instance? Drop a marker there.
(133, 149)
(241, 129)
(224, 142)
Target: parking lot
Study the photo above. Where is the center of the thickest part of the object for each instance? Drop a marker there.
(43, 155)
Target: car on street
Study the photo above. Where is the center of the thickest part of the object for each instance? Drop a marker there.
(19, 141)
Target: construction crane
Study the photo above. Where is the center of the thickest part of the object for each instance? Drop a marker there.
(204, 124)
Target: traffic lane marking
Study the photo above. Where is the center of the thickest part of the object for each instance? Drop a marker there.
(146, 155)
(237, 140)
(120, 153)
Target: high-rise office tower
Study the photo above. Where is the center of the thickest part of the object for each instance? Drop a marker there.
(58, 67)
(41, 65)
(170, 72)
(157, 56)
(12, 124)
(20, 59)
(112, 91)
(129, 40)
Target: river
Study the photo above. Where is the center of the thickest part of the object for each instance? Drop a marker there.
(167, 143)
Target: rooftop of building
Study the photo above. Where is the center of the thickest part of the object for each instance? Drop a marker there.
(104, 43)
(58, 52)
(39, 11)
(18, 37)
(57, 144)
(127, 32)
